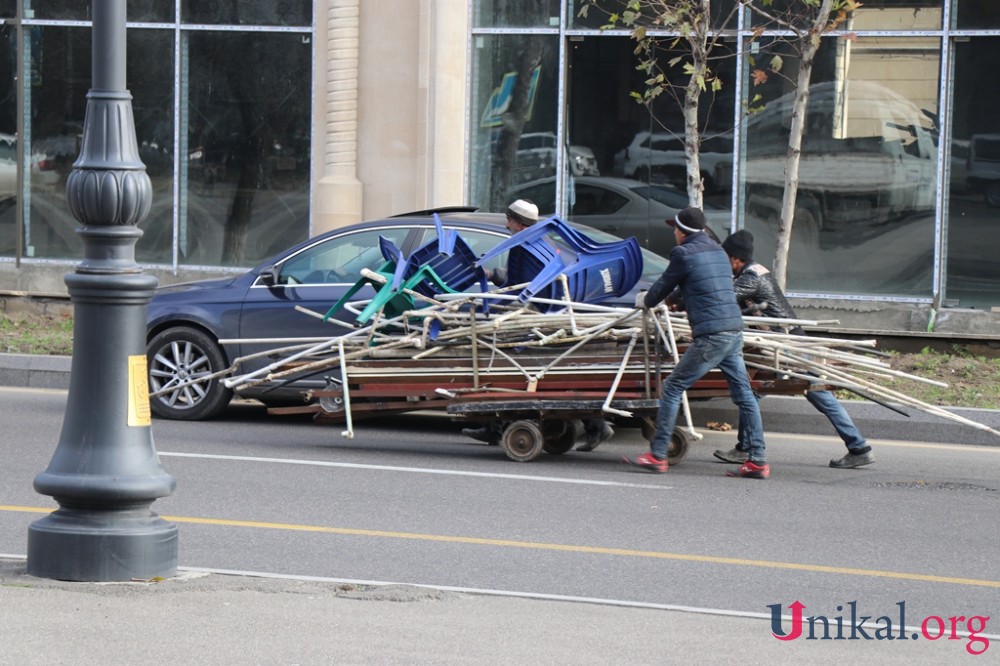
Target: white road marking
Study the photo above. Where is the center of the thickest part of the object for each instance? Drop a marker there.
(416, 470)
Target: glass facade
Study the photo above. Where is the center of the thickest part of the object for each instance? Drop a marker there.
(899, 176)
(224, 130)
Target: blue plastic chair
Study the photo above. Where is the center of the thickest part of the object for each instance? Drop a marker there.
(444, 265)
(595, 271)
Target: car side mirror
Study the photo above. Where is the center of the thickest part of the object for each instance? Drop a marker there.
(269, 276)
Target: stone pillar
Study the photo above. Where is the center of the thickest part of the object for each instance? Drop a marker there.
(338, 192)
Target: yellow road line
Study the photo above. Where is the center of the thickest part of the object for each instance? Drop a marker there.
(565, 548)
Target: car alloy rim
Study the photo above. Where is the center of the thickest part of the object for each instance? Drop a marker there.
(180, 369)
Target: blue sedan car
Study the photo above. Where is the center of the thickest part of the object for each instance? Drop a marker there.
(186, 322)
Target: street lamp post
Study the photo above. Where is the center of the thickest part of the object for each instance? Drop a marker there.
(105, 473)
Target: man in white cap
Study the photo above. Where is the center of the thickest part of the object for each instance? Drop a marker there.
(521, 214)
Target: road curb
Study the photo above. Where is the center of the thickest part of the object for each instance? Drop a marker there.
(35, 371)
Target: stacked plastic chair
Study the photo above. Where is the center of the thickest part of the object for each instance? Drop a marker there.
(444, 265)
(595, 271)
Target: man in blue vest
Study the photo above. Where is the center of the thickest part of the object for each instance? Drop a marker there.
(700, 268)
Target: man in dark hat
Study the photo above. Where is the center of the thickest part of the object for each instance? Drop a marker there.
(701, 269)
(759, 295)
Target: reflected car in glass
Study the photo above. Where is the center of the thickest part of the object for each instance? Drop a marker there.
(660, 158)
(189, 325)
(536, 157)
(622, 207)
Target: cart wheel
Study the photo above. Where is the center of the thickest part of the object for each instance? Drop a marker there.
(680, 441)
(522, 441)
(678, 448)
(558, 436)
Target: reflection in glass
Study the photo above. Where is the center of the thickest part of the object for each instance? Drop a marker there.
(973, 14)
(872, 15)
(246, 190)
(58, 98)
(247, 12)
(69, 10)
(898, 15)
(867, 174)
(973, 278)
(642, 146)
(8, 8)
(514, 109)
(517, 13)
(723, 13)
(8, 142)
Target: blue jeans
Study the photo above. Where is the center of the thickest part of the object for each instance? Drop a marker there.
(828, 405)
(717, 350)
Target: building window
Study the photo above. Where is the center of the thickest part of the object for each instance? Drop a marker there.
(868, 169)
(242, 152)
(514, 113)
(974, 189)
(245, 178)
(247, 12)
(516, 13)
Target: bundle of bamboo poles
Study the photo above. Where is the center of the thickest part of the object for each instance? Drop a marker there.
(457, 324)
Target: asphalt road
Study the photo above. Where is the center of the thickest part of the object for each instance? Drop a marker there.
(408, 500)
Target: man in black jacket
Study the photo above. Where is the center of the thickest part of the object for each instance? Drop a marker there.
(759, 295)
(700, 268)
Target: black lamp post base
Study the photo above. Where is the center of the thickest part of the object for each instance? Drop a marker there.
(105, 546)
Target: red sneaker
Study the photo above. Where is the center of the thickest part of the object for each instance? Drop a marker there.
(751, 470)
(648, 462)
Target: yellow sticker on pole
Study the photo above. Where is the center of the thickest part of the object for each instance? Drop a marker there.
(138, 391)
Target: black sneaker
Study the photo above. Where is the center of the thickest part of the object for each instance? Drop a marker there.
(852, 460)
(484, 434)
(596, 436)
(732, 456)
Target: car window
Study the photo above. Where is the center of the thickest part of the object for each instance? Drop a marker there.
(482, 241)
(665, 195)
(542, 195)
(590, 200)
(340, 258)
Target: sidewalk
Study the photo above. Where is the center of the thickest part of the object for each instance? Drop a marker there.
(780, 413)
(198, 618)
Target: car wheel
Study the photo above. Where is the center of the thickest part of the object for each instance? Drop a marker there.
(180, 363)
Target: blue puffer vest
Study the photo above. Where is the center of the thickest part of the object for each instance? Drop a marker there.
(700, 267)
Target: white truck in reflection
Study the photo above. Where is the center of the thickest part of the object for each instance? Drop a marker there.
(867, 157)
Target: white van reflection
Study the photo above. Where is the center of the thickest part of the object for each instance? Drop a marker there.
(868, 156)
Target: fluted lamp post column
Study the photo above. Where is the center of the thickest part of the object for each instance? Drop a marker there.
(105, 474)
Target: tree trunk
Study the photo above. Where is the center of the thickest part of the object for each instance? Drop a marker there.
(810, 45)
